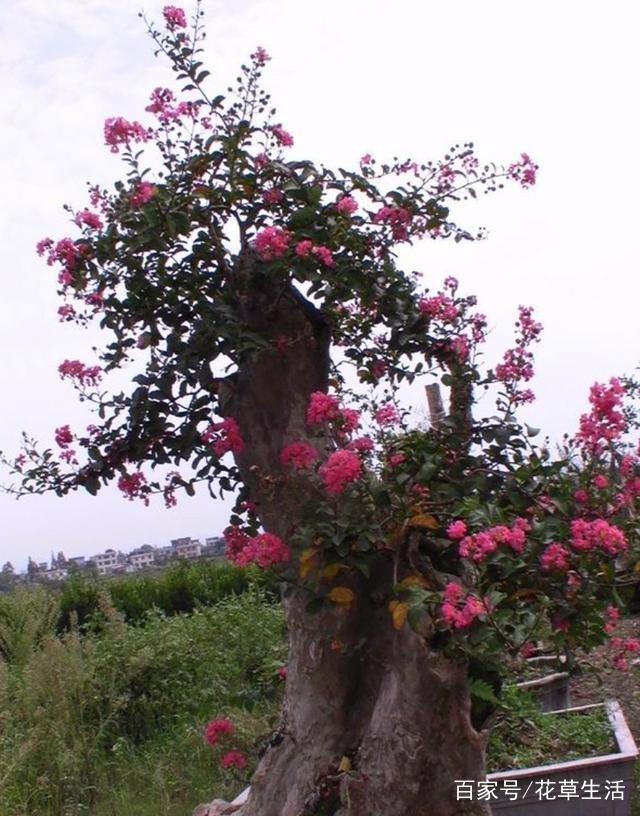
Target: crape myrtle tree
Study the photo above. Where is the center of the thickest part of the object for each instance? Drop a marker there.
(258, 304)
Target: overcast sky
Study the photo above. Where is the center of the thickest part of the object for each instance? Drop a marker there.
(558, 80)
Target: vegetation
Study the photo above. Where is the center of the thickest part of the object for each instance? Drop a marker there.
(524, 737)
(111, 724)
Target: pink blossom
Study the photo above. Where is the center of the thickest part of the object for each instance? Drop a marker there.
(398, 218)
(63, 436)
(581, 496)
(142, 193)
(322, 408)
(134, 486)
(524, 171)
(303, 248)
(387, 414)
(349, 420)
(66, 312)
(612, 618)
(272, 197)
(346, 205)
(43, 245)
(605, 422)
(363, 444)
(458, 611)
(555, 558)
(396, 459)
(323, 254)
(440, 307)
(215, 728)
(342, 468)
(260, 56)
(480, 545)
(265, 549)
(261, 161)
(89, 218)
(587, 536)
(366, 159)
(298, 455)
(82, 374)
(283, 137)
(174, 17)
(600, 482)
(282, 672)
(95, 299)
(457, 530)
(225, 437)
(118, 131)
(234, 759)
(528, 649)
(272, 243)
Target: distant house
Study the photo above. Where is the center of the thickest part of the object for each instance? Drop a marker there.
(108, 561)
(55, 574)
(142, 557)
(186, 547)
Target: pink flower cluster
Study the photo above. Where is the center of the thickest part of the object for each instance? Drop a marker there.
(65, 252)
(342, 468)
(605, 422)
(282, 137)
(118, 131)
(457, 530)
(272, 243)
(480, 545)
(322, 408)
(298, 455)
(587, 536)
(517, 363)
(612, 618)
(234, 759)
(440, 307)
(555, 558)
(82, 374)
(134, 486)
(623, 647)
(272, 197)
(387, 414)
(214, 729)
(162, 105)
(346, 205)
(265, 549)
(63, 436)
(398, 218)
(225, 437)
(459, 609)
(90, 219)
(306, 249)
(524, 171)
(174, 17)
(143, 192)
(260, 56)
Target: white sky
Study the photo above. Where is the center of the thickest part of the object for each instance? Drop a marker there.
(558, 80)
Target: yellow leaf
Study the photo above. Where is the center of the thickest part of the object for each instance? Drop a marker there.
(637, 567)
(412, 581)
(423, 520)
(331, 570)
(345, 765)
(342, 595)
(307, 561)
(399, 611)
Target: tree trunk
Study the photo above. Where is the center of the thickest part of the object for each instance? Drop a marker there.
(375, 722)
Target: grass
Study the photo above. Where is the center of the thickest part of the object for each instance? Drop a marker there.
(112, 723)
(524, 737)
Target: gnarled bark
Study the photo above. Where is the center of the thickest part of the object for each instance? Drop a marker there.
(375, 722)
